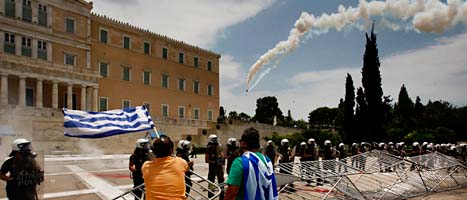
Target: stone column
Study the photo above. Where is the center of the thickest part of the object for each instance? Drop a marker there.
(69, 96)
(88, 59)
(19, 9)
(83, 98)
(35, 12)
(34, 47)
(49, 16)
(22, 91)
(2, 35)
(49, 51)
(18, 42)
(2, 8)
(95, 99)
(4, 89)
(55, 94)
(89, 99)
(39, 93)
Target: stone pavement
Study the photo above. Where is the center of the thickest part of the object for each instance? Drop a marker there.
(102, 177)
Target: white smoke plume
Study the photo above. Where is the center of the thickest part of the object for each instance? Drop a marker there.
(432, 16)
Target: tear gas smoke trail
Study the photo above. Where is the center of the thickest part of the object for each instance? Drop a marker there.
(430, 16)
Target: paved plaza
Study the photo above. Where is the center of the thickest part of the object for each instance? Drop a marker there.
(97, 177)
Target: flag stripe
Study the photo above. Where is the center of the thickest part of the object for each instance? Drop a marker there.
(103, 124)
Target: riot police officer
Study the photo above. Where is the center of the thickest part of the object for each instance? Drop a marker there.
(270, 151)
(137, 159)
(216, 161)
(183, 151)
(232, 152)
(24, 172)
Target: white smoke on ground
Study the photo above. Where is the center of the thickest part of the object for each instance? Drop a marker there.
(431, 16)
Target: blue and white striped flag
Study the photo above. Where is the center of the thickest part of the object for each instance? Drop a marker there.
(107, 123)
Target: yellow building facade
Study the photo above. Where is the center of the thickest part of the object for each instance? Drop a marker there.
(56, 54)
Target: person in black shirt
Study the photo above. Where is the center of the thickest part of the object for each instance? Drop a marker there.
(216, 161)
(270, 151)
(24, 172)
(137, 159)
(232, 152)
(183, 149)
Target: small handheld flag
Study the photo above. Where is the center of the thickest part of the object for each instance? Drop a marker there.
(84, 124)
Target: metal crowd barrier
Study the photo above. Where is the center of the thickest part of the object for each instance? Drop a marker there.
(372, 175)
(198, 190)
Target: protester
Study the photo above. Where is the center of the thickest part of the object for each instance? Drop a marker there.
(137, 159)
(24, 172)
(259, 172)
(183, 149)
(164, 176)
(216, 161)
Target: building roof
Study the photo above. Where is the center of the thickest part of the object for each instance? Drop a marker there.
(147, 31)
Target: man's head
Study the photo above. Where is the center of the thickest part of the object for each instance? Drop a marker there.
(213, 141)
(162, 147)
(250, 139)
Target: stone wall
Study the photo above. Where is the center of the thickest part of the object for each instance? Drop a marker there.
(44, 127)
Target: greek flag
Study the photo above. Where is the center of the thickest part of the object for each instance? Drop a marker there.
(103, 124)
(259, 178)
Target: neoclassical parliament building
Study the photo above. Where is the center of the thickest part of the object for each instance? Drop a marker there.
(58, 53)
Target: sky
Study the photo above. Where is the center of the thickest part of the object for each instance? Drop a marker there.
(430, 59)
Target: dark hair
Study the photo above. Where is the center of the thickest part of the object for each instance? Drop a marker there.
(162, 147)
(251, 137)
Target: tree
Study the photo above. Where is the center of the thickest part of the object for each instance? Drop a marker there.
(371, 81)
(266, 109)
(360, 117)
(349, 104)
(404, 111)
(244, 117)
(322, 117)
(233, 115)
(221, 118)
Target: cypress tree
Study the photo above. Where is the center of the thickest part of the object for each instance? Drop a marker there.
(349, 104)
(405, 111)
(371, 81)
(361, 116)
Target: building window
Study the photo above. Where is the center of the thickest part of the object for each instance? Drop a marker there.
(10, 8)
(181, 112)
(27, 11)
(147, 48)
(29, 97)
(147, 106)
(26, 49)
(209, 115)
(126, 103)
(103, 36)
(195, 62)
(126, 42)
(181, 84)
(209, 66)
(126, 73)
(42, 15)
(146, 78)
(103, 103)
(196, 87)
(210, 90)
(70, 25)
(10, 46)
(165, 81)
(196, 113)
(104, 69)
(165, 110)
(165, 53)
(181, 58)
(70, 59)
(42, 49)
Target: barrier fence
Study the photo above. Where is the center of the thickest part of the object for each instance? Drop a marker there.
(370, 175)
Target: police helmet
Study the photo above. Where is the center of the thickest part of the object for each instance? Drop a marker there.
(341, 145)
(311, 140)
(270, 142)
(183, 144)
(21, 145)
(381, 145)
(424, 143)
(302, 144)
(284, 142)
(142, 143)
(232, 141)
(213, 139)
(327, 142)
(415, 144)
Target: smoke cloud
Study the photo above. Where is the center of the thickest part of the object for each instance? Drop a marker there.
(431, 16)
